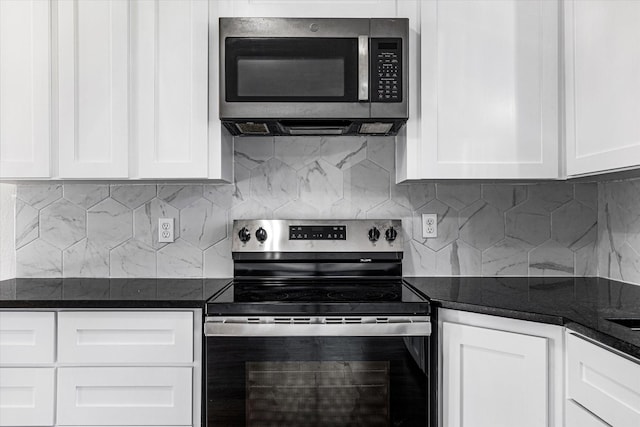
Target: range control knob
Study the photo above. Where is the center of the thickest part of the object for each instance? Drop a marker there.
(244, 235)
(374, 234)
(261, 235)
(390, 234)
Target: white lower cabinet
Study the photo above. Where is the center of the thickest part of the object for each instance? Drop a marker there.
(125, 396)
(499, 372)
(606, 384)
(26, 396)
(577, 416)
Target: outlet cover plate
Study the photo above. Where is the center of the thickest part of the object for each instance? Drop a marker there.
(165, 230)
(429, 226)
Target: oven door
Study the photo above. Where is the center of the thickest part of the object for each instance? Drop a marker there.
(264, 372)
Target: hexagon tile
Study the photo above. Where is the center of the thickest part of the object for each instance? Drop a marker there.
(109, 223)
(63, 223)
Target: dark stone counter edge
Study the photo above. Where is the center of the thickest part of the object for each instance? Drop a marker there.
(606, 339)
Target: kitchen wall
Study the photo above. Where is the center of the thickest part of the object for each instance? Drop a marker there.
(7, 225)
(103, 229)
(619, 230)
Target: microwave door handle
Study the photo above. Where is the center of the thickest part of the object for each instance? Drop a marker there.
(363, 68)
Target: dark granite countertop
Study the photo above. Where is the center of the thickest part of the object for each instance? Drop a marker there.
(583, 304)
(107, 293)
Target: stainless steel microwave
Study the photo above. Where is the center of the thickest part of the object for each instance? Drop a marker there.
(305, 76)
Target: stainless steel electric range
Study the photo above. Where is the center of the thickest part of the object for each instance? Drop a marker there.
(318, 328)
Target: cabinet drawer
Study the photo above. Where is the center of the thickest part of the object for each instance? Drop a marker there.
(577, 416)
(125, 396)
(125, 337)
(26, 396)
(603, 382)
(26, 337)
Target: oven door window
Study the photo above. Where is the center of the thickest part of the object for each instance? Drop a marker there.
(315, 381)
(291, 69)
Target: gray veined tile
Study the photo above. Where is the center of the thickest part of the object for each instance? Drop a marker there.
(146, 221)
(633, 233)
(179, 259)
(458, 196)
(85, 195)
(39, 195)
(392, 210)
(63, 223)
(346, 209)
(203, 223)
(26, 223)
(509, 257)
(109, 223)
(413, 195)
(625, 194)
(504, 196)
(273, 184)
(220, 194)
(382, 151)
(459, 259)
(529, 222)
(86, 258)
(39, 259)
(629, 264)
(418, 259)
(298, 151)
(320, 183)
(217, 260)
(551, 196)
(132, 259)
(133, 195)
(447, 225)
(242, 185)
(344, 151)
(296, 209)
(587, 193)
(481, 225)
(366, 185)
(178, 195)
(586, 260)
(574, 225)
(250, 209)
(551, 259)
(251, 152)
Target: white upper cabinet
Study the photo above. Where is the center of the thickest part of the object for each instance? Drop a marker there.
(602, 65)
(170, 81)
(310, 8)
(489, 92)
(25, 87)
(93, 89)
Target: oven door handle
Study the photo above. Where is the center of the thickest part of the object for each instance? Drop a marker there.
(317, 326)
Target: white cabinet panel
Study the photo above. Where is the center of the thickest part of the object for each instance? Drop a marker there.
(25, 87)
(125, 337)
(26, 396)
(606, 384)
(169, 52)
(27, 337)
(493, 378)
(577, 416)
(602, 63)
(310, 8)
(125, 396)
(93, 76)
(489, 90)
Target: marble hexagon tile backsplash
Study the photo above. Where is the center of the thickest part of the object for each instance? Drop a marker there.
(101, 229)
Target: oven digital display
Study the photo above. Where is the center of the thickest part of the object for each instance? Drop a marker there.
(317, 232)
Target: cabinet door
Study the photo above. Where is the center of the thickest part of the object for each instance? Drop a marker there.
(489, 90)
(577, 416)
(93, 70)
(493, 378)
(26, 396)
(602, 63)
(310, 8)
(27, 337)
(169, 51)
(25, 87)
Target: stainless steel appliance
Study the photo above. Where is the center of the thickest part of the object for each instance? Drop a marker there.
(318, 328)
(302, 76)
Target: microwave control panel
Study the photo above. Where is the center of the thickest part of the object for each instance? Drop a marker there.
(386, 66)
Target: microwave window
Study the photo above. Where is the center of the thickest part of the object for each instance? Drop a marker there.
(290, 77)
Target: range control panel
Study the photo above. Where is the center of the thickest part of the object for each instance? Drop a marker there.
(317, 232)
(386, 66)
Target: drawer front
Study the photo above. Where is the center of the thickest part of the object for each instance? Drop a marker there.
(26, 337)
(125, 337)
(603, 382)
(26, 396)
(125, 396)
(577, 416)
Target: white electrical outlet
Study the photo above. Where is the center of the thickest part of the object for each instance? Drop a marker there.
(165, 230)
(429, 226)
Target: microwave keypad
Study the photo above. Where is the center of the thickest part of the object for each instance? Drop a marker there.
(387, 80)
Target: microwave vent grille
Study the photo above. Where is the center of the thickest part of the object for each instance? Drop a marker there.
(251, 128)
